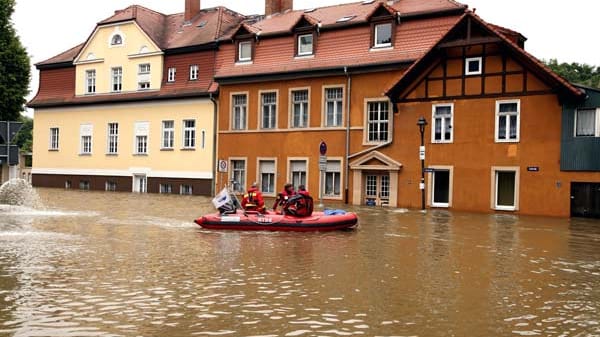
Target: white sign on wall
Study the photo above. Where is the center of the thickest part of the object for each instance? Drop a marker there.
(222, 166)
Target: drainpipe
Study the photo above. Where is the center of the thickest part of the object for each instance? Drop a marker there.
(347, 167)
(215, 130)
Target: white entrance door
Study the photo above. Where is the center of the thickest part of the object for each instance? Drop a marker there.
(377, 188)
(140, 184)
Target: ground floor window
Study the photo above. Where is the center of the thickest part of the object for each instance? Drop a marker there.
(298, 173)
(68, 184)
(266, 169)
(333, 179)
(505, 189)
(110, 186)
(185, 189)
(140, 184)
(84, 185)
(166, 188)
(441, 188)
(238, 175)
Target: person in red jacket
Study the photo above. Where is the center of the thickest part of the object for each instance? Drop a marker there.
(253, 200)
(283, 196)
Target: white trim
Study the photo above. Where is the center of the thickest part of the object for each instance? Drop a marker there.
(89, 61)
(494, 183)
(125, 173)
(442, 141)
(266, 159)
(431, 185)
(478, 72)
(230, 171)
(324, 89)
(312, 44)
(497, 118)
(365, 127)
(154, 53)
(259, 125)
(239, 46)
(596, 122)
(291, 108)
(382, 45)
(231, 119)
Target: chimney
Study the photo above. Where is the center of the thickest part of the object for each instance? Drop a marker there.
(278, 6)
(192, 7)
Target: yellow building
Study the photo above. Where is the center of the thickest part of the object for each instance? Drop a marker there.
(133, 108)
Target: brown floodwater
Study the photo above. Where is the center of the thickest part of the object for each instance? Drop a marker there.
(118, 264)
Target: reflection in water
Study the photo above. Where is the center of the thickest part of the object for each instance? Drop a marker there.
(106, 264)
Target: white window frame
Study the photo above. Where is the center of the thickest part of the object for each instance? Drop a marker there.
(171, 73)
(90, 81)
(240, 46)
(272, 109)
(194, 72)
(259, 173)
(431, 185)
(188, 140)
(341, 106)
(110, 186)
(141, 141)
(165, 188)
(116, 79)
(494, 187)
(304, 112)
(83, 137)
(443, 126)
(367, 120)
(112, 137)
(596, 123)
(53, 144)
(241, 185)
(290, 172)
(497, 122)
(322, 182)
(468, 60)
(243, 123)
(167, 134)
(376, 33)
(138, 131)
(112, 40)
(186, 189)
(312, 45)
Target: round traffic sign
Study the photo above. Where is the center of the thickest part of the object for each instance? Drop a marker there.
(323, 148)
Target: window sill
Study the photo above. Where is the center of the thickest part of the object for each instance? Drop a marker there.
(85, 154)
(243, 63)
(473, 74)
(381, 48)
(442, 142)
(112, 154)
(53, 150)
(303, 57)
(188, 149)
(510, 141)
(506, 208)
(168, 149)
(140, 154)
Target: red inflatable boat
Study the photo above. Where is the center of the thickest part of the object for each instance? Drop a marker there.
(317, 221)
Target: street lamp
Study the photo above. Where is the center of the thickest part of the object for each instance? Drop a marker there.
(422, 123)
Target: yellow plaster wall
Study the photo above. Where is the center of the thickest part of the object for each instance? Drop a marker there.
(68, 120)
(108, 56)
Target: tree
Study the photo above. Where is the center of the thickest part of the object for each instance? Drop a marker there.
(579, 73)
(14, 66)
(24, 138)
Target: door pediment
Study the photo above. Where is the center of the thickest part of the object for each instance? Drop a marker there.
(375, 161)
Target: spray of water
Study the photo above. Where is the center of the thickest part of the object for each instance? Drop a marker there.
(18, 192)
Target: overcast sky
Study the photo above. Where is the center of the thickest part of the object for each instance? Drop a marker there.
(560, 29)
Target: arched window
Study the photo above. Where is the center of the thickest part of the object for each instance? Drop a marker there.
(116, 40)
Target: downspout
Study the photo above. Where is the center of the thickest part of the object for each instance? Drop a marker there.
(215, 130)
(347, 167)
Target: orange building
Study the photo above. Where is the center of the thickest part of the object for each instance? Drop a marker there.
(358, 77)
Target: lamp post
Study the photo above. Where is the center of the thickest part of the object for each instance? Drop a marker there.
(422, 123)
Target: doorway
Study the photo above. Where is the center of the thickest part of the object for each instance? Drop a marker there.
(377, 189)
(441, 188)
(140, 184)
(585, 200)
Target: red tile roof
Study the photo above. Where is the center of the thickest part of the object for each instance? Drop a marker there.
(338, 48)
(169, 31)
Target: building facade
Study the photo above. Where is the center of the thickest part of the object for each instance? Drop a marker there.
(133, 108)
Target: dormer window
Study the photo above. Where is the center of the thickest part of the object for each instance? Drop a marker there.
(193, 72)
(116, 40)
(382, 35)
(473, 66)
(305, 44)
(244, 51)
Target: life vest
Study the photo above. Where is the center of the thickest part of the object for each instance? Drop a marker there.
(299, 205)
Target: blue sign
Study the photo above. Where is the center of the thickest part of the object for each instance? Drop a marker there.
(323, 148)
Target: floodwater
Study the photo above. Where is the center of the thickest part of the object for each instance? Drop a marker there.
(117, 264)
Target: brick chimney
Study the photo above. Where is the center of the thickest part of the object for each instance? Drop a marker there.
(277, 6)
(192, 7)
